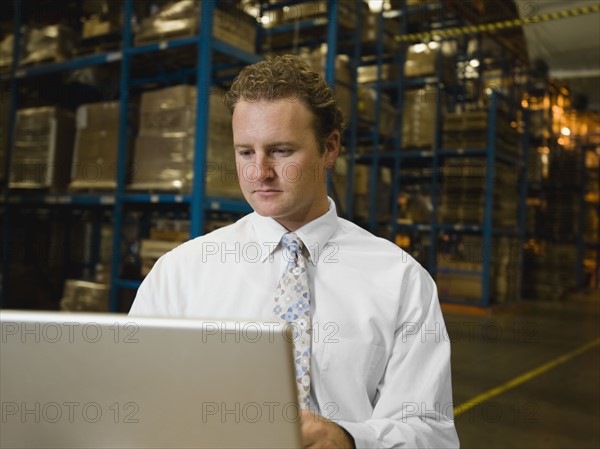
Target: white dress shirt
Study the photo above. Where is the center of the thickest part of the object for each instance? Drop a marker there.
(381, 354)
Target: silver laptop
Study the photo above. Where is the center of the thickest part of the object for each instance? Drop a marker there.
(101, 381)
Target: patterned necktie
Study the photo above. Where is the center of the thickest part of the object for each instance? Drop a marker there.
(292, 305)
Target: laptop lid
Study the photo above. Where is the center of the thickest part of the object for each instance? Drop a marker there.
(105, 380)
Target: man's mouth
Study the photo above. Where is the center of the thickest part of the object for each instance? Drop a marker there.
(266, 191)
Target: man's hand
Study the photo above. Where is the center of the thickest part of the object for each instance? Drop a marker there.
(320, 433)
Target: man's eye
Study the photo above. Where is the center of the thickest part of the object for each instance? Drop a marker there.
(281, 151)
(245, 153)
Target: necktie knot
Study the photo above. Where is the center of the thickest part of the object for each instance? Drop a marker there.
(292, 243)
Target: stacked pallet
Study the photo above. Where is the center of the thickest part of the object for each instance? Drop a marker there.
(469, 130)
(463, 195)
(164, 148)
(549, 269)
(460, 266)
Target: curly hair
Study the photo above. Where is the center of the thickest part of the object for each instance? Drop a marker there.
(289, 77)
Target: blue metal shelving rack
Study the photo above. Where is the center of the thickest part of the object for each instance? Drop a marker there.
(331, 39)
(434, 155)
(120, 200)
(198, 203)
(583, 243)
(399, 156)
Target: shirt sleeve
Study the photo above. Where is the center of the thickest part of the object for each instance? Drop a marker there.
(414, 401)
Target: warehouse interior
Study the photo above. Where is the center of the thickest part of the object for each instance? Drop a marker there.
(473, 143)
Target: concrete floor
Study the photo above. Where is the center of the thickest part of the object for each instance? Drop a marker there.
(560, 408)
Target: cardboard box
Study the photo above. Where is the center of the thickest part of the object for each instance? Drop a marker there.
(50, 43)
(418, 119)
(101, 17)
(164, 149)
(6, 52)
(43, 148)
(83, 296)
(93, 28)
(180, 19)
(368, 73)
(163, 163)
(420, 63)
(302, 11)
(367, 105)
(152, 250)
(391, 28)
(4, 113)
(169, 110)
(362, 176)
(96, 146)
(317, 59)
(459, 286)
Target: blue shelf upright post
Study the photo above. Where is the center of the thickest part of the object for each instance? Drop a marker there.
(332, 13)
(523, 176)
(204, 87)
(401, 59)
(374, 172)
(121, 156)
(581, 220)
(435, 160)
(353, 123)
(493, 99)
(12, 112)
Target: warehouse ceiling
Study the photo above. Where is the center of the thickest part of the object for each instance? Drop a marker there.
(570, 46)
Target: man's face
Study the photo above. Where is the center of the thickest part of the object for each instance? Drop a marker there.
(282, 173)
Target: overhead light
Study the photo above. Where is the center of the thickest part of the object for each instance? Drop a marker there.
(474, 63)
(376, 5)
(433, 45)
(419, 48)
(565, 131)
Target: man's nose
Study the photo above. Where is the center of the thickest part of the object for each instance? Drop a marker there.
(264, 169)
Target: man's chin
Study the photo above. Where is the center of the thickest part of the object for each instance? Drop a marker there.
(265, 211)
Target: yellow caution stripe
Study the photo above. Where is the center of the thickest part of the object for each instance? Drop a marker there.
(497, 26)
(524, 378)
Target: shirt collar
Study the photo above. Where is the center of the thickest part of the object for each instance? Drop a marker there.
(314, 234)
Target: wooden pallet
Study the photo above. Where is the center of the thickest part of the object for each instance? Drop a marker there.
(156, 37)
(99, 44)
(48, 60)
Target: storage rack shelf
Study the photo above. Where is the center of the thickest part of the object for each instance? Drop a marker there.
(210, 203)
(205, 46)
(338, 40)
(560, 256)
(398, 157)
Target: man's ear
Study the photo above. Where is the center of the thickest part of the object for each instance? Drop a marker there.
(332, 149)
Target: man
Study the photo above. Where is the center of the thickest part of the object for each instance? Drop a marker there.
(376, 370)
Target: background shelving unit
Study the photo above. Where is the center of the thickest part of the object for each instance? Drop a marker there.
(201, 60)
(388, 179)
(423, 168)
(211, 55)
(562, 218)
(320, 32)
